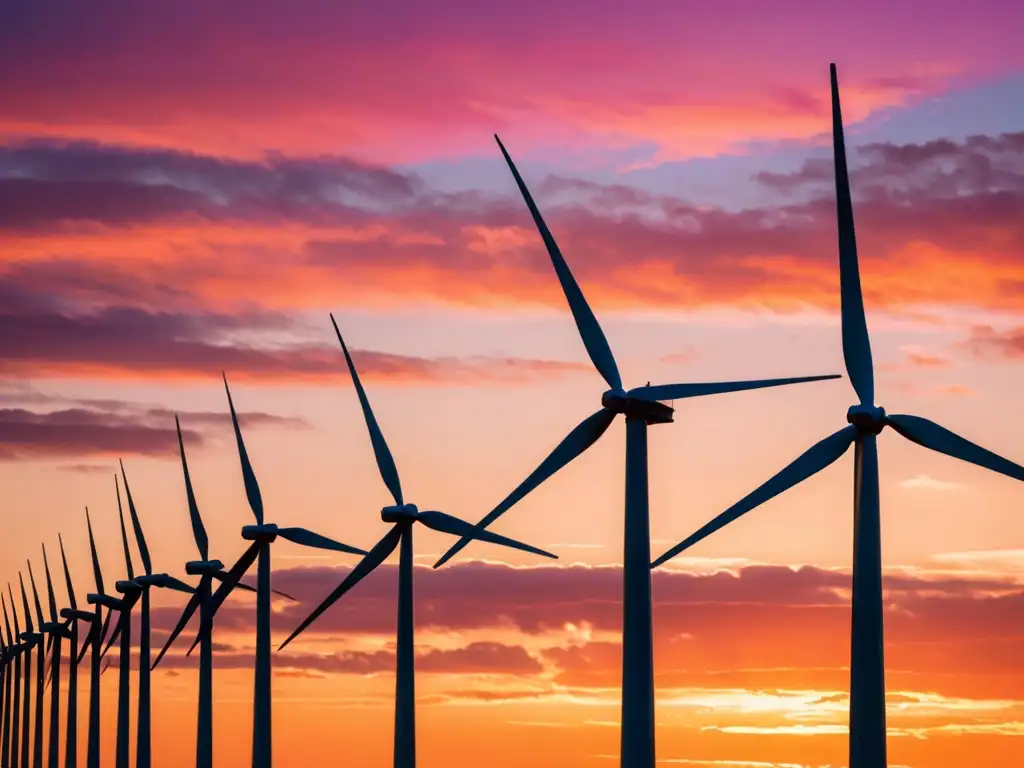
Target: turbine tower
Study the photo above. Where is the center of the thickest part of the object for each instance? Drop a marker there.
(15, 716)
(866, 421)
(7, 653)
(56, 632)
(642, 407)
(404, 516)
(37, 733)
(262, 535)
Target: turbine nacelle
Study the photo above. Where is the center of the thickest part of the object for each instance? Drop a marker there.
(30, 638)
(203, 567)
(264, 534)
(398, 513)
(73, 614)
(51, 627)
(868, 419)
(128, 588)
(632, 407)
(106, 601)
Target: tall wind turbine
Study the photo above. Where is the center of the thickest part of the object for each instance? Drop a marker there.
(37, 742)
(403, 516)
(72, 616)
(263, 535)
(130, 593)
(202, 600)
(12, 683)
(57, 632)
(642, 407)
(13, 754)
(7, 654)
(94, 643)
(143, 583)
(31, 639)
(866, 421)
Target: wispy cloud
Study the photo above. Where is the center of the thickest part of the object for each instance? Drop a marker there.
(928, 483)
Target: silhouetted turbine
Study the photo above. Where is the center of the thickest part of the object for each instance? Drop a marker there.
(12, 682)
(403, 516)
(23, 649)
(641, 407)
(37, 741)
(263, 535)
(31, 639)
(143, 583)
(72, 616)
(94, 642)
(56, 631)
(201, 600)
(7, 654)
(867, 667)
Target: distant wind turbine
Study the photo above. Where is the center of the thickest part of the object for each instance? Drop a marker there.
(37, 743)
(14, 753)
(57, 631)
(143, 741)
(263, 535)
(866, 421)
(12, 682)
(31, 639)
(72, 616)
(641, 407)
(202, 600)
(403, 516)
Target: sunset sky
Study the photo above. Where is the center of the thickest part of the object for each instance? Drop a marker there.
(188, 187)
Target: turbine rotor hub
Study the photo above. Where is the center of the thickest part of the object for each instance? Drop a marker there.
(650, 411)
(203, 567)
(31, 638)
(397, 513)
(868, 419)
(264, 534)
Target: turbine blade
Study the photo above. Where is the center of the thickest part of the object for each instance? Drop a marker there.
(445, 523)
(856, 342)
(373, 558)
(67, 575)
(586, 433)
(35, 595)
(14, 611)
(222, 575)
(97, 574)
(681, 391)
(310, 539)
(115, 634)
(49, 588)
(809, 463)
(7, 619)
(124, 532)
(231, 580)
(186, 615)
(140, 538)
(385, 461)
(252, 488)
(198, 529)
(25, 606)
(590, 330)
(937, 438)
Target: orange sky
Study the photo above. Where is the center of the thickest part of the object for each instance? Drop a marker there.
(186, 190)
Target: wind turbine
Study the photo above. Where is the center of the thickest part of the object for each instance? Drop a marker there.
(131, 591)
(143, 743)
(642, 407)
(94, 642)
(6, 657)
(13, 755)
(31, 639)
(262, 535)
(57, 632)
(37, 751)
(403, 516)
(202, 600)
(72, 616)
(12, 683)
(866, 421)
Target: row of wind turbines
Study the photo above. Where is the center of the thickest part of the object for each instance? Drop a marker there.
(25, 681)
